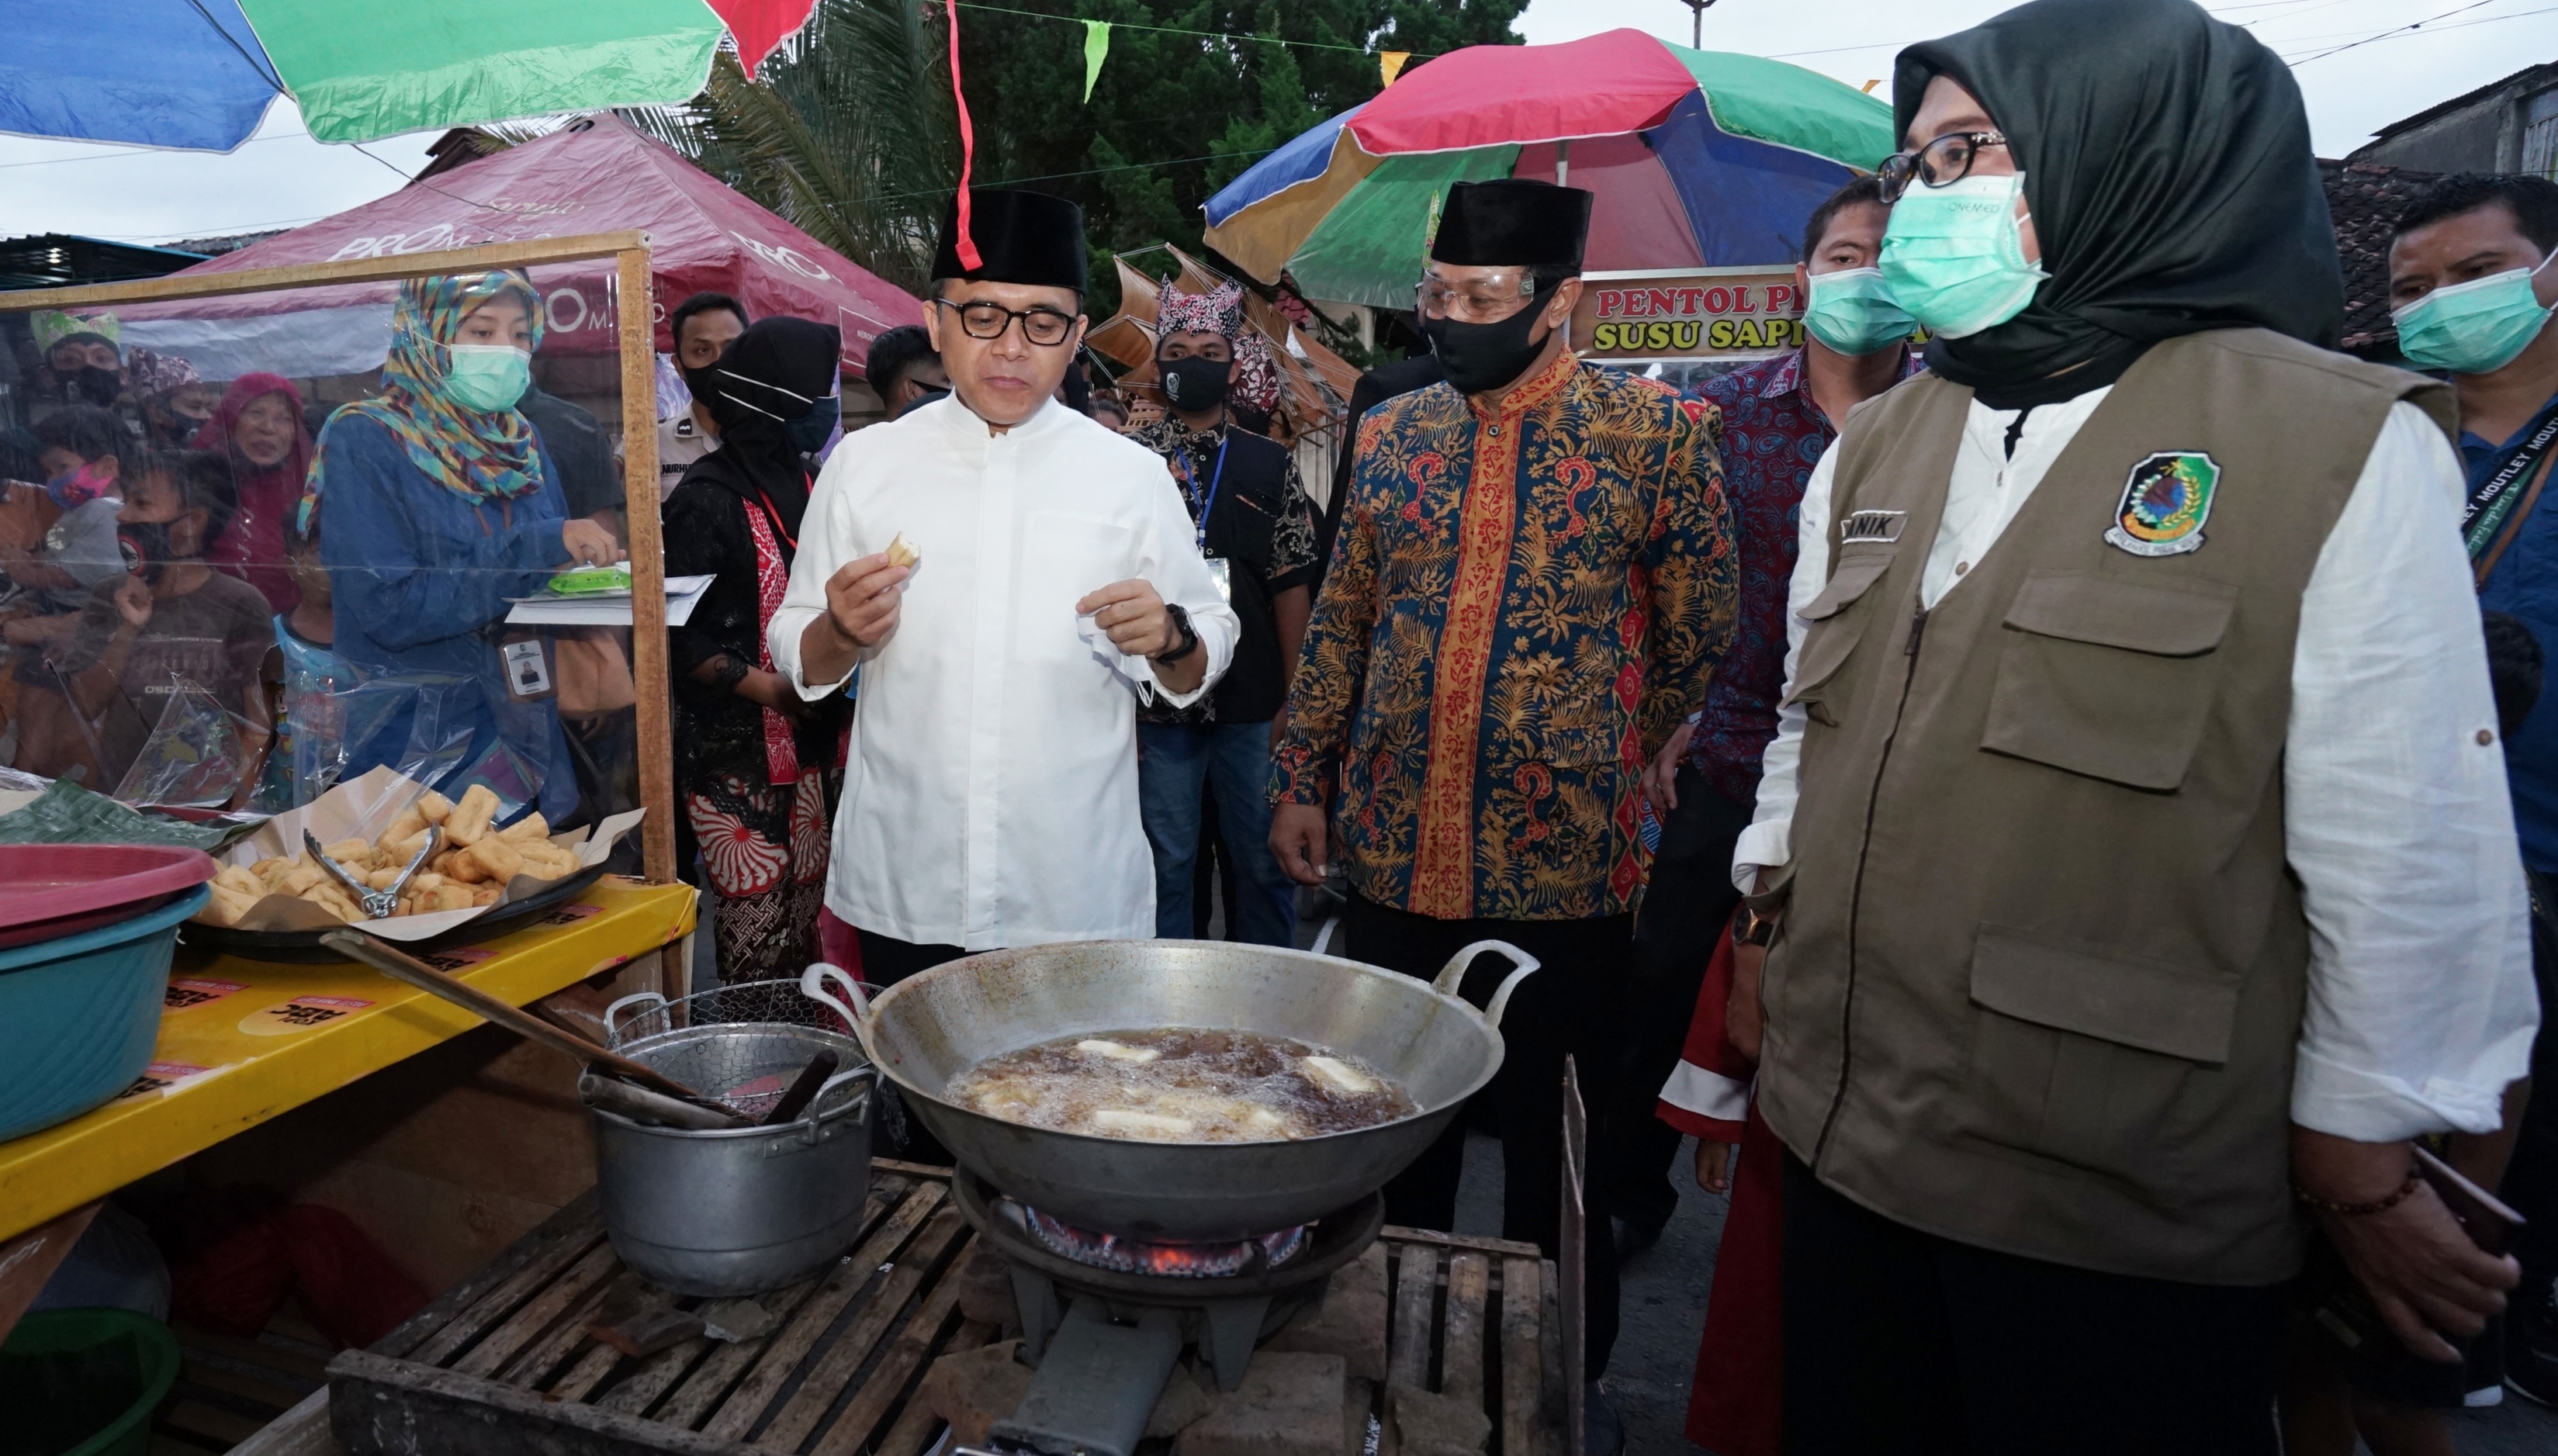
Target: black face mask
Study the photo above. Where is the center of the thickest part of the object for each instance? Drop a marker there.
(700, 379)
(809, 432)
(145, 546)
(1193, 384)
(95, 385)
(1485, 356)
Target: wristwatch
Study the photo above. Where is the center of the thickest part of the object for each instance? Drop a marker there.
(1186, 640)
(1753, 928)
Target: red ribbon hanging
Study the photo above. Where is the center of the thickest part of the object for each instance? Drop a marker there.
(966, 241)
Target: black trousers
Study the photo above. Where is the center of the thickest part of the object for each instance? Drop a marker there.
(1899, 1343)
(2531, 1178)
(1572, 1005)
(1686, 905)
(886, 961)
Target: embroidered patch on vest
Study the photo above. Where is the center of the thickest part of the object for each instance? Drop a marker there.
(1873, 525)
(2164, 503)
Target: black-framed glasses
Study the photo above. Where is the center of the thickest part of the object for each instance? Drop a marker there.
(981, 319)
(1941, 163)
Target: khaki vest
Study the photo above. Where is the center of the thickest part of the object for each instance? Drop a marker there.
(2041, 974)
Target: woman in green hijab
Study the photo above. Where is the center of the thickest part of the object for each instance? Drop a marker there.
(435, 502)
(2152, 612)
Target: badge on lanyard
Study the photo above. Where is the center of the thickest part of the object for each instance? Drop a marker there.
(525, 665)
(1219, 570)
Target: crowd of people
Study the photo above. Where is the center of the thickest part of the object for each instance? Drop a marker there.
(2045, 781)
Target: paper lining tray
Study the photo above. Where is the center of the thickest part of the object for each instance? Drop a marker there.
(281, 928)
(303, 947)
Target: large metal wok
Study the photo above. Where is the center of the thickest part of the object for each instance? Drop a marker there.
(924, 1032)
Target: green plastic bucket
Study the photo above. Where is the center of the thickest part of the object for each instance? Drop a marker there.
(84, 1382)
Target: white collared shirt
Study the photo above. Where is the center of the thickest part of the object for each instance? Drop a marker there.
(990, 799)
(2395, 814)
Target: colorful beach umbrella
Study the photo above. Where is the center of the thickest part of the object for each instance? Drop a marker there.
(199, 73)
(1700, 159)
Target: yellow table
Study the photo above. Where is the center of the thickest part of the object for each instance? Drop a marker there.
(241, 1041)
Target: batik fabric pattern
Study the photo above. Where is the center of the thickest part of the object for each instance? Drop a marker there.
(1522, 603)
(1220, 311)
(1773, 436)
(1271, 534)
(764, 849)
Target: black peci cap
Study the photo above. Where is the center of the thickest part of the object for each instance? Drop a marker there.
(1512, 221)
(1021, 237)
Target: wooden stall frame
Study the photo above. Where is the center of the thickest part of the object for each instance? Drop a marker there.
(633, 301)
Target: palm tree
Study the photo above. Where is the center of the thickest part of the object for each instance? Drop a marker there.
(849, 135)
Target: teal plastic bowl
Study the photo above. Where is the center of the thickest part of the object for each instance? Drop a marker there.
(78, 1015)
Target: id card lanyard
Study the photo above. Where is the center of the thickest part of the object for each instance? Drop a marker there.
(1219, 568)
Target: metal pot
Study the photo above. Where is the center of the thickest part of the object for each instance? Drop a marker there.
(741, 1210)
(926, 1031)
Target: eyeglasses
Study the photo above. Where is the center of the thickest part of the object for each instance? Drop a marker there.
(1485, 298)
(1941, 163)
(983, 319)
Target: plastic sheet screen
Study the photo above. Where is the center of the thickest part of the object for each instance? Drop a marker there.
(255, 546)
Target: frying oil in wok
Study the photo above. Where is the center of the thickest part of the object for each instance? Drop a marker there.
(1173, 1085)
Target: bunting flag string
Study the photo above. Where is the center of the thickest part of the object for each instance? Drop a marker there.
(1395, 65)
(1096, 45)
(1389, 63)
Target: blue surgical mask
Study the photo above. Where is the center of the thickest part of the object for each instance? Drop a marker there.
(2472, 327)
(1851, 311)
(1955, 255)
(809, 433)
(488, 378)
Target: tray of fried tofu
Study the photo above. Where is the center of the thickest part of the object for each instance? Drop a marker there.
(272, 899)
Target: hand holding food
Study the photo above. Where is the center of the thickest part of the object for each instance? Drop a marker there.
(467, 874)
(862, 599)
(901, 552)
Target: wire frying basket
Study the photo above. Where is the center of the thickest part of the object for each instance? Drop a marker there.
(743, 1044)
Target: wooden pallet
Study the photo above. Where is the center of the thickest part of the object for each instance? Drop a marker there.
(502, 1363)
(230, 1388)
(1478, 1319)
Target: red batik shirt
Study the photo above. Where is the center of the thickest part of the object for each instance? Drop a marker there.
(1522, 604)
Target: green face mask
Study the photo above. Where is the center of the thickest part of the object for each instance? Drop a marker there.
(1955, 257)
(2472, 327)
(488, 378)
(1852, 311)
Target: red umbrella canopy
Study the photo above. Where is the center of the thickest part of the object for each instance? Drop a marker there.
(596, 176)
(1622, 80)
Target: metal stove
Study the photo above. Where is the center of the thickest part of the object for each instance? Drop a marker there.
(1105, 1318)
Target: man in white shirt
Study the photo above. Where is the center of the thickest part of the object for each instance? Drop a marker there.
(990, 799)
(2134, 845)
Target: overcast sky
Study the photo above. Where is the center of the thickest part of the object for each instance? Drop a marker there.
(281, 178)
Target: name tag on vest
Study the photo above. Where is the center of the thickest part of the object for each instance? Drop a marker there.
(1873, 525)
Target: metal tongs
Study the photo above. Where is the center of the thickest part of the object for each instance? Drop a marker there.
(378, 904)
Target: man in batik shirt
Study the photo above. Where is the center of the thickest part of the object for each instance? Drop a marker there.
(1256, 529)
(1534, 578)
